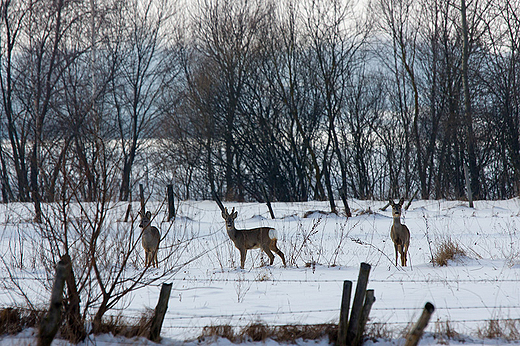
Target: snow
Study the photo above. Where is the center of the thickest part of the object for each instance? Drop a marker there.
(322, 251)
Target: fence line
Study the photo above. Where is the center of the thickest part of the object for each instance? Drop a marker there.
(181, 316)
(184, 316)
(369, 323)
(429, 281)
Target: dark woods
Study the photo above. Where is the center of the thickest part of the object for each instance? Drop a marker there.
(259, 100)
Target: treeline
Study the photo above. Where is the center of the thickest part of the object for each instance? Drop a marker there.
(280, 100)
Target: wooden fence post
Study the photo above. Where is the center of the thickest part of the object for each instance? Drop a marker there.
(51, 322)
(343, 315)
(129, 208)
(468, 185)
(369, 300)
(268, 202)
(171, 203)
(141, 197)
(357, 303)
(160, 311)
(73, 318)
(415, 335)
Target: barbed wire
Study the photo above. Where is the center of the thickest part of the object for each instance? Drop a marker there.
(268, 280)
(185, 316)
(373, 322)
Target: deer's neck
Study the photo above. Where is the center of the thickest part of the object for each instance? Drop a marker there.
(397, 221)
(232, 232)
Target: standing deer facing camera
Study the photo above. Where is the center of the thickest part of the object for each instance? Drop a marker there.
(399, 233)
(150, 239)
(257, 238)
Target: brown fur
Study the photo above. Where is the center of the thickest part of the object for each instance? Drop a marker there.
(150, 240)
(246, 239)
(399, 233)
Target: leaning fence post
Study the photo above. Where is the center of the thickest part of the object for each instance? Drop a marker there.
(369, 300)
(141, 197)
(51, 322)
(343, 315)
(129, 208)
(160, 311)
(415, 335)
(171, 203)
(357, 303)
(268, 202)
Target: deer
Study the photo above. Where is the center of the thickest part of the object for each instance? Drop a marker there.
(257, 238)
(150, 239)
(399, 233)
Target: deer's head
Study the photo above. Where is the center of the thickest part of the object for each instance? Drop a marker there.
(229, 218)
(146, 218)
(396, 207)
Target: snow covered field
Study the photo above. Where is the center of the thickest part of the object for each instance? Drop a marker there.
(322, 251)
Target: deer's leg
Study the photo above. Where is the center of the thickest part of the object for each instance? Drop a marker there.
(155, 262)
(277, 251)
(269, 254)
(405, 252)
(242, 257)
(403, 258)
(396, 247)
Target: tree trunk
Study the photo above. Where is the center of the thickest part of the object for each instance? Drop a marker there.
(73, 317)
(127, 170)
(35, 192)
(470, 138)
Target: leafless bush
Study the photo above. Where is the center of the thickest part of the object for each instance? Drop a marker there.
(447, 250)
(377, 331)
(260, 332)
(220, 331)
(506, 329)
(106, 255)
(302, 245)
(119, 325)
(444, 331)
(14, 320)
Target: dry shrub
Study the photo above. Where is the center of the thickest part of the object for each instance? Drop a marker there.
(500, 329)
(377, 331)
(222, 331)
(444, 331)
(14, 320)
(291, 333)
(118, 325)
(256, 332)
(310, 213)
(260, 332)
(447, 250)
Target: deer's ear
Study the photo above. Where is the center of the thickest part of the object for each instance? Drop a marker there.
(224, 213)
(148, 214)
(235, 214)
(401, 201)
(391, 201)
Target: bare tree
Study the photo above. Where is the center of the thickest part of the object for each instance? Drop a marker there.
(337, 37)
(140, 76)
(226, 32)
(13, 21)
(397, 22)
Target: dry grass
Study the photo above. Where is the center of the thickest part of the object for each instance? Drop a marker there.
(222, 331)
(447, 250)
(14, 320)
(261, 332)
(444, 331)
(500, 329)
(378, 331)
(118, 325)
